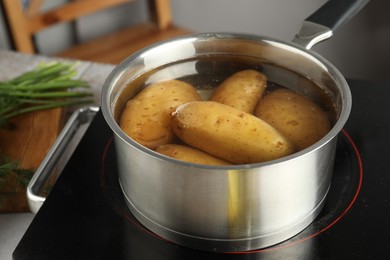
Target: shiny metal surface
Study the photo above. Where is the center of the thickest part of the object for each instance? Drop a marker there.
(322, 24)
(312, 33)
(227, 210)
(58, 156)
(230, 208)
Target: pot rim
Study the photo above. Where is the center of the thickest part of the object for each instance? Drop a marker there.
(330, 68)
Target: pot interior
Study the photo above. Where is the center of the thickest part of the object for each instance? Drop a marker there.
(206, 60)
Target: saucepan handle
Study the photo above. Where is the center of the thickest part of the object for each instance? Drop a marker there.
(321, 24)
(58, 155)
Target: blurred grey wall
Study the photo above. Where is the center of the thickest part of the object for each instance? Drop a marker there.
(359, 49)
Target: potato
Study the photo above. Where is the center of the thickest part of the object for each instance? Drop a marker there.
(298, 118)
(189, 154)
(242, 90)
(228, 133)
(147, 117)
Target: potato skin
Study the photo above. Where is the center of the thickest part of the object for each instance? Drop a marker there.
(298, 118)
(147, 117)
(242, 90)
(189, 154)
(228, 133)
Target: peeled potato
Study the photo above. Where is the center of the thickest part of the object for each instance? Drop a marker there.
(298, 118)
(242, 90)
(228, 133)
(189, 154)
(147, 117)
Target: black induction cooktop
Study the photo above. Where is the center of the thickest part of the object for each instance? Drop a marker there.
(85, 216)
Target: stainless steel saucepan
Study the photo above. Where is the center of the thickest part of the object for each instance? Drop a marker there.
(242, 207)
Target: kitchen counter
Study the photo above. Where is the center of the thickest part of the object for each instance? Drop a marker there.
(12, 64)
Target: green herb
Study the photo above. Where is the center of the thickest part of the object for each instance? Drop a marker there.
(49, 85)
(10, 169)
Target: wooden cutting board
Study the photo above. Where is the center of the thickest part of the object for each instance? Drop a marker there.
(27, 141)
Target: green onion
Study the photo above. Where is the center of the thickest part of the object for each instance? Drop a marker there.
(49, 85)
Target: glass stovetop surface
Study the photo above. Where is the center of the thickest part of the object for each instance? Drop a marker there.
(85, 216)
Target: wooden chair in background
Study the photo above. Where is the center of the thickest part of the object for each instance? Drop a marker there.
(25, 23)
